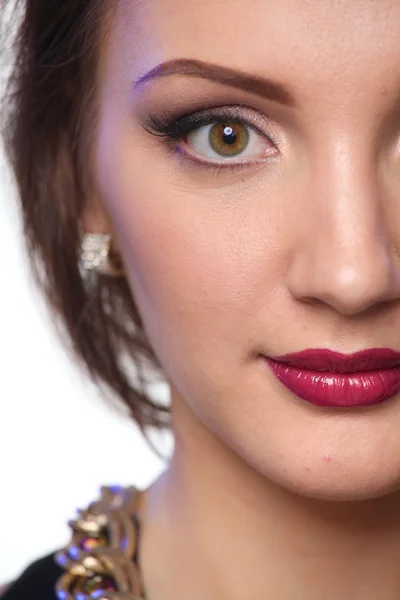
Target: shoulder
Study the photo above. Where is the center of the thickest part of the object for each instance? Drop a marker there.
(37, 581)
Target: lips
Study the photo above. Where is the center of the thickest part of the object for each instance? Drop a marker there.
(327, 378)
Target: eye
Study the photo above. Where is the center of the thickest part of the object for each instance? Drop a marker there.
(226, 140)
(231, 137)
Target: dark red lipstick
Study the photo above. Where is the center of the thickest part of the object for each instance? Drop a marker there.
(327, 378)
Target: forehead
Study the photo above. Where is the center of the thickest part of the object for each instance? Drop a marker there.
(247, 27)
(328, 42)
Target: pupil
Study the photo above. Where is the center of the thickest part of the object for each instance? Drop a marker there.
(230, 136)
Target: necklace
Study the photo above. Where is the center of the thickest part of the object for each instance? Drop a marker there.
(101, 562)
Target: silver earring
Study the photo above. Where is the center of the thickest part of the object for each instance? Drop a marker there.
(96, 255)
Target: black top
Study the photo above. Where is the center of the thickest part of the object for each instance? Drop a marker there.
(37, 582)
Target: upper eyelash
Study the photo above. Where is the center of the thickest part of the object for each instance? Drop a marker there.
(175, 129)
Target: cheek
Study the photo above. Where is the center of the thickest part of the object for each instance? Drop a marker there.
(196, 259)
(207, 273)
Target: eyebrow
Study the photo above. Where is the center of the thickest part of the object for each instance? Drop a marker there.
(255, 84)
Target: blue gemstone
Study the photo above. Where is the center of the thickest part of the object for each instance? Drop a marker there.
(61, 560)
(116, 489)
(80, 596)
(73, 552)
(124, 543)
(97, 594)
(61, 595)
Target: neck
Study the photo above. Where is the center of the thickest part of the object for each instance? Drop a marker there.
(214, 528)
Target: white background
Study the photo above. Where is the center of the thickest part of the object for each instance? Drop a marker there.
(59, 441)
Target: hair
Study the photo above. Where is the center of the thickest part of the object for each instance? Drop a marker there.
(49, 115)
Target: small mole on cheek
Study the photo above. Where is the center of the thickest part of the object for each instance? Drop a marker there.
(327, 457)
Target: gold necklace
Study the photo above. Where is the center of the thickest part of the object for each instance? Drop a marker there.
(101, 562)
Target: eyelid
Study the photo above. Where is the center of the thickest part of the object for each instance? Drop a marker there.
(174, 127)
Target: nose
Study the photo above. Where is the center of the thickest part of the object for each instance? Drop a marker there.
(346, 254)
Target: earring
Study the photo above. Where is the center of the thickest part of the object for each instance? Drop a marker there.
(96, 255)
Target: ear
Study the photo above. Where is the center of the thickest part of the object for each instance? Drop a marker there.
(95, 219)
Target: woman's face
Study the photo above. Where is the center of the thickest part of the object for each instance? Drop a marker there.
(277, 235)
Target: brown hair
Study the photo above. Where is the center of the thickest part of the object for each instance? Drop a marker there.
(49, 114)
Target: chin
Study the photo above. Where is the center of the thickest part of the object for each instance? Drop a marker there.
(346, 481)
(330, 467)
(356, 489)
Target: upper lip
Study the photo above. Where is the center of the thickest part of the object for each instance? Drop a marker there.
(372, 359)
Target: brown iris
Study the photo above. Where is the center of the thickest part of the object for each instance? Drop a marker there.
(228, 139)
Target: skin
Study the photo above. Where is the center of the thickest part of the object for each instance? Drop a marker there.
(265, 495)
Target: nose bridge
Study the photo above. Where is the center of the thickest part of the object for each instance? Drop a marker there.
(344, 258)
(348, 200)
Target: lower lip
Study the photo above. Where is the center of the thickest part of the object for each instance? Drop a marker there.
(341, 390)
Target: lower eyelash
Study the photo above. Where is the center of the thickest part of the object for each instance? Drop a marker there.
(193, 164)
